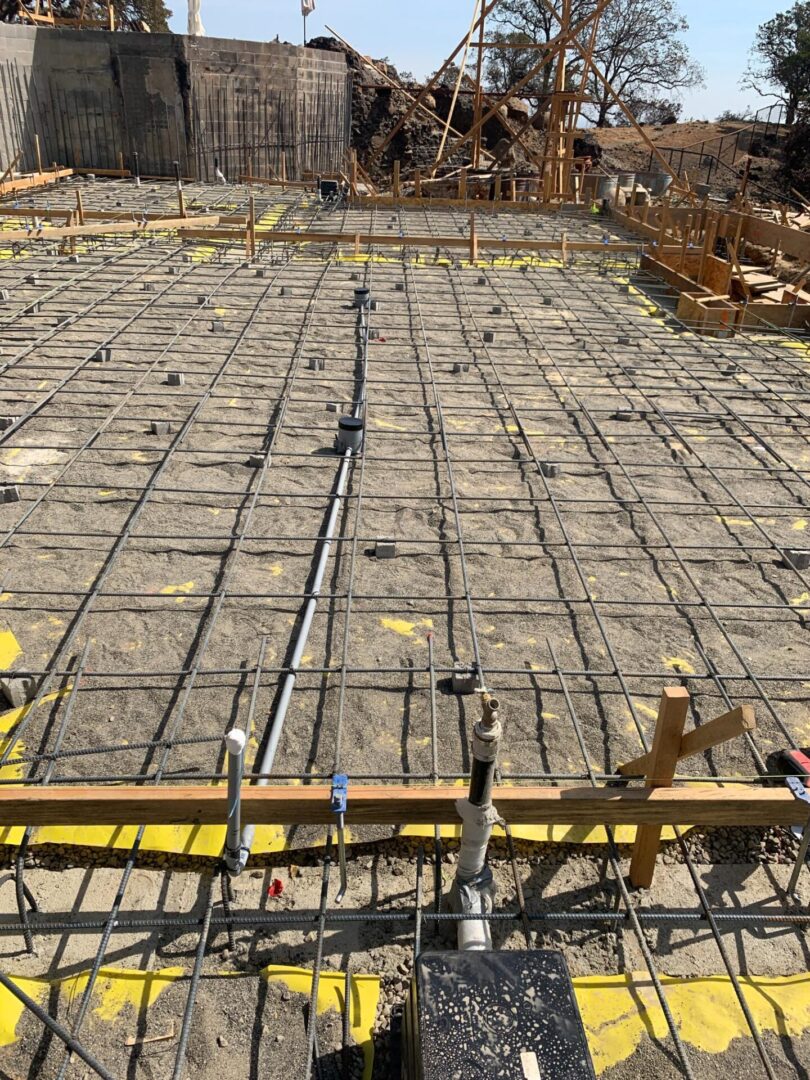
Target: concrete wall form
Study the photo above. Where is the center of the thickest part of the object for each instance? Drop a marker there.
(92, 95)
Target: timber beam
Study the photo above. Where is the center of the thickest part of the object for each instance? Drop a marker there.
(392, 805)
(485, 243)
(153, 224)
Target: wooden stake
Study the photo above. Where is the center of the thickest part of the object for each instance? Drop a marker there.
(181, 201)
(10, 169)
(38, 153)
(498, 187)
(663, 759)
(395, 185)
(722, 729)
(417, 183)
(473, 241)
(80, 207)
(462, 184)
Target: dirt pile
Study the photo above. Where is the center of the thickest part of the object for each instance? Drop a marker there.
(708, 153)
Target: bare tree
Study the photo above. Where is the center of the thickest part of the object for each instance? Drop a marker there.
(640, 51)
(779, 66)
(638, 48)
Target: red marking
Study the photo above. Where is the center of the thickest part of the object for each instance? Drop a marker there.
(275, 888)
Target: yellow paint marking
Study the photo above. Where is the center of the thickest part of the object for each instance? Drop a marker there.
(622, 1011)
(276, 569)
(798, 600)
(172, 590)
(403, 627)
(744, 521)
(10, 649)
(387, 424)
(105, 494)
(678, 664)
(799, 525)
(652, 713)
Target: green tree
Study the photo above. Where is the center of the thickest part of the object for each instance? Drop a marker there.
(129, 14)
(779, 66)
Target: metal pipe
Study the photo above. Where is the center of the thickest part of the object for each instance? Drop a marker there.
(277, 725)
(473, 890)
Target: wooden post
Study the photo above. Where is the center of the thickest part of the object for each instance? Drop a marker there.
(687, 232)
(417, 183)
(284, 171)
(512, 189)
(564, 249)
(352, 172)
(473, 241)
(662, 232)
(80, 207)
(181, 200)
(498, 187)
(478, 99)
(663, 760)
(395, 185)
(462, 184)
(38, 153)
(120, 160)
(357, 244)
(708, 246)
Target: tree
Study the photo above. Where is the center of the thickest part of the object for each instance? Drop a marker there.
(638, 48)
(779, 65)
(129, 14)
(505, 67)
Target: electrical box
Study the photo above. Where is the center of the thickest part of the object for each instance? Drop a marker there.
(328, 189)
(482, 1015)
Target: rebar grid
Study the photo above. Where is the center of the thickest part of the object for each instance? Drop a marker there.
(182, 630)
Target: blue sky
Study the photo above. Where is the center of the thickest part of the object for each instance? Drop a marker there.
(418, 34)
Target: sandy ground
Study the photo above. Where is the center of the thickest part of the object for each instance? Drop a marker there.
(652, 559)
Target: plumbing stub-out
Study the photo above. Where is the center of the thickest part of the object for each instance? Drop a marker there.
(350, 434)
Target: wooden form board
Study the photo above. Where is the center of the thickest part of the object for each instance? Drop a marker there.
(110, 227)
(753, 230)
(485, 243)
(35, 180)
(392, 805)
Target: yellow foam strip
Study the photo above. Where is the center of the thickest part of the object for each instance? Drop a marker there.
(620, 1012)
(117, 988)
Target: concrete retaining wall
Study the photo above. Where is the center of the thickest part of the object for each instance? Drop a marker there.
(92, 95)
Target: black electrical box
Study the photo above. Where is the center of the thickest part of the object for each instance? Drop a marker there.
(328, 189)
(482, 1015)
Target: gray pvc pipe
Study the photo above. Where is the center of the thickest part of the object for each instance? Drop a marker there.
(269, 755)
